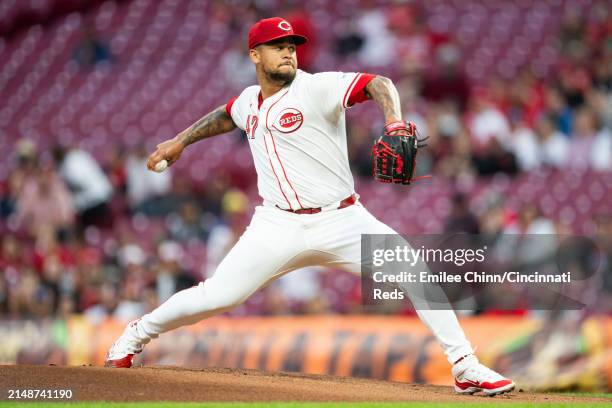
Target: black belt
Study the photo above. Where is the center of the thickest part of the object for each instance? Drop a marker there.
(347, 202)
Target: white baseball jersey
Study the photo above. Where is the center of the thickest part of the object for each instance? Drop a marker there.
(298, 138)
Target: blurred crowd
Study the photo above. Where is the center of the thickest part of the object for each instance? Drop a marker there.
(109, 238)
(509, 125)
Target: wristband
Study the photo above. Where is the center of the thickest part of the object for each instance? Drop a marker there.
(399, 125)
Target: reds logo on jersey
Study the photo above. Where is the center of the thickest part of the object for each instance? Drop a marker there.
(288, 120)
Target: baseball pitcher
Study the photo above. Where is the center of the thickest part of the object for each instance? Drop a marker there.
(311, 214)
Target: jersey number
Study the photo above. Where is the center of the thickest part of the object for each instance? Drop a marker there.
(251, 126)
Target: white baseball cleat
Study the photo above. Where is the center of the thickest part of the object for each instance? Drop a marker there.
(122, 351)
(471, 377)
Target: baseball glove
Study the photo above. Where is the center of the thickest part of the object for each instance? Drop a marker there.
(394, 153)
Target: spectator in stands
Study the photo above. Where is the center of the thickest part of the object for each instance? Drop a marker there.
(556, 106)
(491, 142)
(7, 198)
(572, 31)
(525, 98)
(52, 261)
(589, 147)
(116, 169)
(12, 257)
(447, 81)
(599, 27)
(237, 66)
(274, 301)
(379, 42)
(412, 43)
(146, 188)
(600, 101)
(91, 50)
(106, 306)
(189, 222)
(349, 41)
(449, 143)
(602, 75)
(301, 290)
(66, 307)
(149, 298)
(122, 299)
(171, 277)
(4, 294)
(532, 236)
(25, 165)
(302, 24)
(461, 219)
(525, 147)
(493, 159)
(486, 122)
(553, 146)
(88, 284)
(531, 221)
(574, 83)
(130, 253)
(544, 147)
(91, 190)
(29, 298)
(225, 234)
(492, 220)
(44, 202)
(13, 263)
(516, 239)
(360, 147)
(131, 303)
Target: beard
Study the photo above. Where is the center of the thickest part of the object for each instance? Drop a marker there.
(284, 78)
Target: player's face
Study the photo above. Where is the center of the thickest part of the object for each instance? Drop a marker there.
(278, 60)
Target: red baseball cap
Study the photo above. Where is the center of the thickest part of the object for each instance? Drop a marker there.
(270, 29)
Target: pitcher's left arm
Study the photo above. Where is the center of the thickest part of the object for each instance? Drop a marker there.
(382, 91)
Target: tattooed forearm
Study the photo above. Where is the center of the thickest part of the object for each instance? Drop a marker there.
(384, 93)
(214, 123)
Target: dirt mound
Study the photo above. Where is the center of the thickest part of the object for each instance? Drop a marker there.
(177, 384)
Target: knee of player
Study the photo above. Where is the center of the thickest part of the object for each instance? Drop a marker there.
(220, 296)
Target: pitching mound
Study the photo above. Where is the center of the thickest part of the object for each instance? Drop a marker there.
(177, 384)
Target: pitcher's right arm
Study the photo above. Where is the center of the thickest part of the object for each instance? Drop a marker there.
(214, 123)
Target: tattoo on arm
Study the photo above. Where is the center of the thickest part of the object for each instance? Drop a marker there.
(384, 93)
(214, 123)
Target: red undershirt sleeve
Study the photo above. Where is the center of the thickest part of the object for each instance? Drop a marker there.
(357, 94)
(228, 106)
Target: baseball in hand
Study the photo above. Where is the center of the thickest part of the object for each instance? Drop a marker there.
(161, 166)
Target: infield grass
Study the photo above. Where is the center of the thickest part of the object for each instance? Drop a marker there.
(503, 404)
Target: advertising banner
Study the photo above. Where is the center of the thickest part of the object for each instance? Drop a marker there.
(552, 353)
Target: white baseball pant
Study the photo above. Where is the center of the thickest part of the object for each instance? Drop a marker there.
(277, 242)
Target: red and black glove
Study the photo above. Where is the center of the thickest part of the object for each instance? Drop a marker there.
(394, 153)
